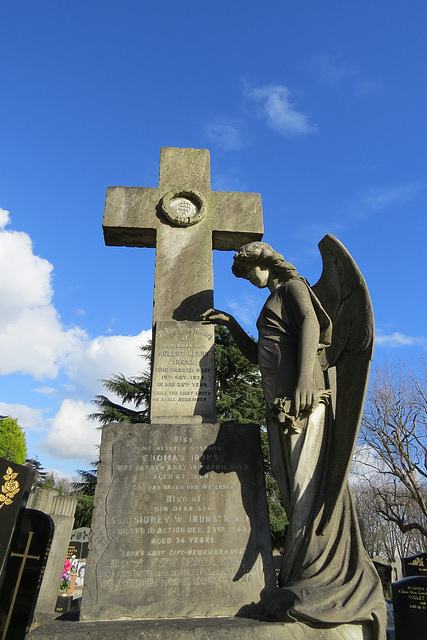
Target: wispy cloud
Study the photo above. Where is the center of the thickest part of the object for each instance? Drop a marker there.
(330, 73)
(246, 309)
(336, 74)
(224, 135)
(380, 198)
(374, 200)
(278, 110)
(398, 339)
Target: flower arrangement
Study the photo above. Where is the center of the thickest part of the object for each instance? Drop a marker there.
(66, 576)
(69, 567)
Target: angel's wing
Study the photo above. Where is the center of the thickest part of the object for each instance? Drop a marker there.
(344, 295)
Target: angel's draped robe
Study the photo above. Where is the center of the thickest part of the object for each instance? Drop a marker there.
(323, 578)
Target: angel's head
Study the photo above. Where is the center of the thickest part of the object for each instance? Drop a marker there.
(268, 261)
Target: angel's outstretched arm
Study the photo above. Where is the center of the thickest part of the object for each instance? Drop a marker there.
(246, 344)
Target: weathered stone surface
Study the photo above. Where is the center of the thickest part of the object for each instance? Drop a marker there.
(183, 373)
(312, 426)
(213, 628)
(61, 510)
(180, 524)
(133, 216)
(184, 220)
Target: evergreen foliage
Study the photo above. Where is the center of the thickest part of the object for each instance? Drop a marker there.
(130, 390)
(83, 513)
(86, 485)
(238, 383)
(41, 473)
(12, 441)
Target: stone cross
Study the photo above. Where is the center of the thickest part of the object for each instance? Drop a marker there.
(184, 220)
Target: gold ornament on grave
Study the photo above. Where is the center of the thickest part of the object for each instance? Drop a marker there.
(10, 488)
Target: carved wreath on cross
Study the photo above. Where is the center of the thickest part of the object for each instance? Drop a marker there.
(183, 207)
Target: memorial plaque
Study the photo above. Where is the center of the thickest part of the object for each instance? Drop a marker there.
(15, 485)
(410, 608)
(183, 384)
(415, 565)
(180, 523)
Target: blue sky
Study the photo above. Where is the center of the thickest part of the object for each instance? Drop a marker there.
(318, 106)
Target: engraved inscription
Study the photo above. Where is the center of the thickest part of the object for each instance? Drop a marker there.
(183, 372)
(184, 541)
(417, 596)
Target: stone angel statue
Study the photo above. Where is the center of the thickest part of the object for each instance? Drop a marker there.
(314, 351)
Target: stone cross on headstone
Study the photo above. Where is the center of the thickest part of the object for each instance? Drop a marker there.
(184, 220)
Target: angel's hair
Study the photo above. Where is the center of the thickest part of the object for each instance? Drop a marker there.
(262, 255)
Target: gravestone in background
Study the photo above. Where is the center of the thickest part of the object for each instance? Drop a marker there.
(415, 565)
(15, 485)
(410, 608)
(61, 510)
(180, 525)
(78, 547)
(79, 543)
(385, 574)
(23, 573)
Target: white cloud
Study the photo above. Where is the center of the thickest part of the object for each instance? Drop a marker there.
(104, 356)
(28, 418)
(397, 339)
(36, 343)
(72, 435)
(4, 218)
(33, 340)
(279, 112)
(25, 279)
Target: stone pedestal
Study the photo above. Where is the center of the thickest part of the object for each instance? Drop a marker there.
(200, 629)
(180, 525)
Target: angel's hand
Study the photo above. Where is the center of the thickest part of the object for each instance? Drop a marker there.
(214, 316)
(305, 397)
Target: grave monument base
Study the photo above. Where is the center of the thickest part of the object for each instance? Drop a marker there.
(196, 629)
(180, 526)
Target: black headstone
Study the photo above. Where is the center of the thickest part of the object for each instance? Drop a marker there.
(384, 572)
(79, 543)
(23, 572)
(415, 565)
(15, 485)
(410, 608)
